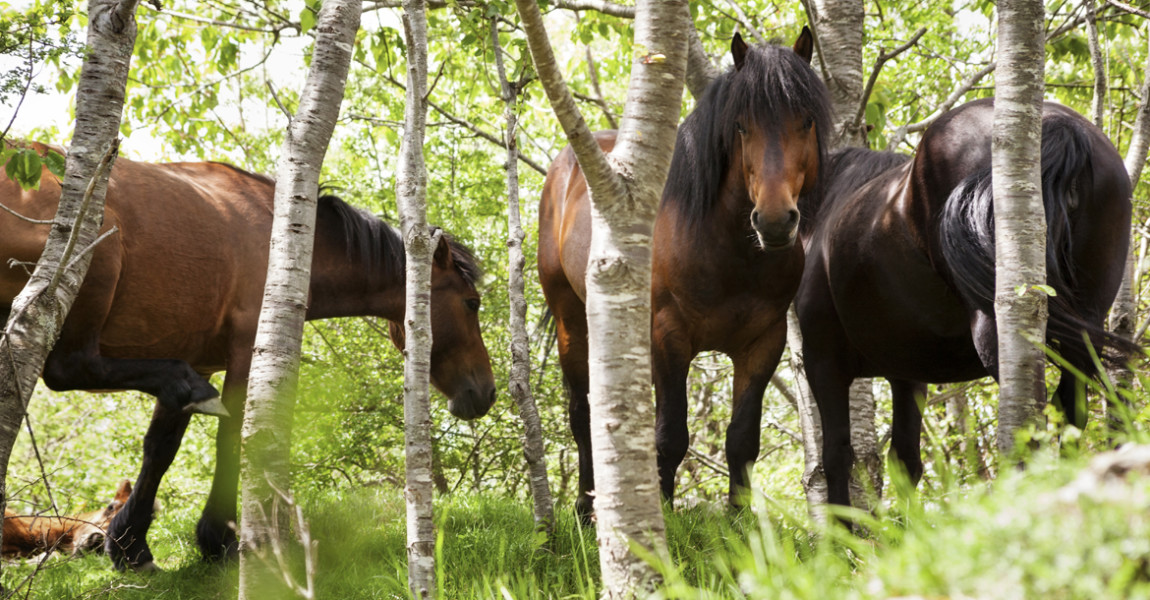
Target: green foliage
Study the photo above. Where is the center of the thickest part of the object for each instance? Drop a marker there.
(214, 91)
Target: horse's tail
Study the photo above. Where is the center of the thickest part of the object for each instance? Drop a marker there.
(967, 234)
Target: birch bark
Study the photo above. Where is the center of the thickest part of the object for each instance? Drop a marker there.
(838, 25)
(1019, 219)
(520, 379)
(420, 243)
(625, 191)
(266, 432)
(38, 313)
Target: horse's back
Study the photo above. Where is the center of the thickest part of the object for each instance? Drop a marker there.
(565, 221)
(191, 244)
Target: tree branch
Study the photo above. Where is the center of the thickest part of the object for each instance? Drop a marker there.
(472, 128)
(883, 57)
(591, 158)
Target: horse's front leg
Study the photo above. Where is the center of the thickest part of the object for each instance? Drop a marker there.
(670, 363)
(753, 370)
(216, 529)
(126, 542)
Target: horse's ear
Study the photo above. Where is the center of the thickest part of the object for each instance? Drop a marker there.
(443, 252)
(124, 490)
(738, 51)
(805, 45)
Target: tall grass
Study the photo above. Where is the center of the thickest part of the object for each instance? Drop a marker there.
(1019, 537)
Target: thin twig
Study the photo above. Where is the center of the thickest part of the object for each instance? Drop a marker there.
(91, 246)
(746, 22)
(27, 86)
(1134, 10)
(40, 461)
(275, 96)
(883, 57)
(28, 219)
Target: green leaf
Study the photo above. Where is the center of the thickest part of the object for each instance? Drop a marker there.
(306, 19)
(55, 162)
(24, 168)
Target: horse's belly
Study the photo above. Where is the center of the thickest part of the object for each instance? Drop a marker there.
(901, 317)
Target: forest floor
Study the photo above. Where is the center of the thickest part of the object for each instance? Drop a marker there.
(1040, 533)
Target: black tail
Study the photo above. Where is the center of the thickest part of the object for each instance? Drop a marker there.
(967, 231)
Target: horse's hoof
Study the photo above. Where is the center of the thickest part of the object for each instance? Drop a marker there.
(212, 406)
(148, 567)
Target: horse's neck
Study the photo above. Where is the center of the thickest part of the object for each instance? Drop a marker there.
(343, 287)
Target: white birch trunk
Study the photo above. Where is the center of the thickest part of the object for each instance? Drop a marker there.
(1019, 219)
(814, 478)
(520, 379)
(420, 243)
(625, 191)
(839, 27)
(266, 433)
(38, 312)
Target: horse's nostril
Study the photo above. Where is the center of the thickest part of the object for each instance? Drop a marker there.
(792, 217)
(754, 218)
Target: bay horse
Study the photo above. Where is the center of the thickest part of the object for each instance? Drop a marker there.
(899, 279)
(175, 296)
(30, 535)
(725, 264)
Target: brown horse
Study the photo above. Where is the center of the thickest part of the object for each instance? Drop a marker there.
(725, 262)
(29, 535)
(899, 281)
(175, 295)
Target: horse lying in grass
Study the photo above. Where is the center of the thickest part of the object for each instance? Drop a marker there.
(30, 535)
(174, 295)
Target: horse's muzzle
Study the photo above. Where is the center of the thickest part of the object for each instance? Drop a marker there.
(471, 403)
(776, 234)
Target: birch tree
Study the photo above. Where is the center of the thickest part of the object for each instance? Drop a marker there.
(266, 433)
(1019, 219)
(520, 379)
(38, 313)
(420, 243)
(625, 191)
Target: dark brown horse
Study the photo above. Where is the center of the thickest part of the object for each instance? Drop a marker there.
(175, 295)
(29, 535)
(899, 281)
(725, 262)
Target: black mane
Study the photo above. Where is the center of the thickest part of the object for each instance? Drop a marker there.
(379, 246)
(845, 171)
(774, 85)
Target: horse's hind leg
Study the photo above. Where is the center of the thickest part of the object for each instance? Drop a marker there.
(671, 362)
(906, 426)
(126, 542)
(753, 371)
(571, 324)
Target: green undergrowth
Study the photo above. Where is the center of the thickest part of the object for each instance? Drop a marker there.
(1024, 536)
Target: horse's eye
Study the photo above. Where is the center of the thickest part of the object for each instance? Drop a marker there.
(808, 123)
(739, 128)
(473, 304)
